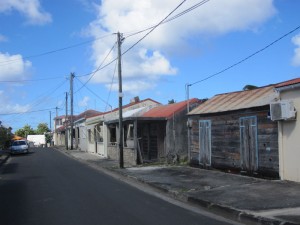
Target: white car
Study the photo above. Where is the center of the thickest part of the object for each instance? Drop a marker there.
(19, 147)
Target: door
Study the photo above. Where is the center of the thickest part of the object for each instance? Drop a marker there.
(205, 142)
(249, 150)
(99, 140)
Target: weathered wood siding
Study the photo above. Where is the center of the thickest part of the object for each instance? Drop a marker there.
(226, 144)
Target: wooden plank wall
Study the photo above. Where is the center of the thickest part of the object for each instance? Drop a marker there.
(225, 135)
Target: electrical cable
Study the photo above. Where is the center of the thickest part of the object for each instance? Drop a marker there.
(53, 51)
(246, 58)
(172, 18)
(93, 92)
(152, 29)
(17, 113)
(33, 80)
(99, 67)
(111, 84)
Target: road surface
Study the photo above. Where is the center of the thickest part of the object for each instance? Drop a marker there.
(47, 187)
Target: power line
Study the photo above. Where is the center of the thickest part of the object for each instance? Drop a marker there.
(165, 20)
(99, 67)
(111, 84)
(152, 29)
(246, 58)
(172, 18)
(93, 92)
(32, 80)
(53, 51)
(41, 110)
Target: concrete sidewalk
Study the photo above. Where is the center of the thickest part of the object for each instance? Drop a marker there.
(245, 199)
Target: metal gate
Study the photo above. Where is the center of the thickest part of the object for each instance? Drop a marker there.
(205, 142)
(249, 149)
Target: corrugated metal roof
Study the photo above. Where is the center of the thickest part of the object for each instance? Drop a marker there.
(237, 100)
(167, 111)
(288, 83)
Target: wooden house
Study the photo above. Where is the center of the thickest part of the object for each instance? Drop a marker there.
(157, 134)
(234, 132)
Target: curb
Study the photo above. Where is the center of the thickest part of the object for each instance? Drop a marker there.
(223, 210)
(236, 214)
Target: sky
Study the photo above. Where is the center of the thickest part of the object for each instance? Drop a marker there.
(43, 41)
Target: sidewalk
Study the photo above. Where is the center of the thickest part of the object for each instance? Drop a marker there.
(245, 199)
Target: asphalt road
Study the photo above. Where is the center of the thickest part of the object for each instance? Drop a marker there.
(47, 187)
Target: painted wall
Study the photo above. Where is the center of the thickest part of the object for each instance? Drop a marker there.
(289, 140)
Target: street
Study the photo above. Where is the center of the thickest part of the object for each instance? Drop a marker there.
(47, 187)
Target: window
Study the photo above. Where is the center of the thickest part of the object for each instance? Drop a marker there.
(113, 134)
(130, 132)
(90, 136)
(99, 133)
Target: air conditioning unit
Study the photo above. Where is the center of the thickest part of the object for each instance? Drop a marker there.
(282, 110)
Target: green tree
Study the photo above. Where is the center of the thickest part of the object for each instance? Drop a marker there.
(26, 130)
(5, 136)
(172, 101)
(249, 87)
(42, 128)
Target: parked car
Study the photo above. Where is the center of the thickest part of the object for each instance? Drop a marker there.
(20, 146)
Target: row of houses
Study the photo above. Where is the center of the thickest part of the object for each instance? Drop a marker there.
(251, 132)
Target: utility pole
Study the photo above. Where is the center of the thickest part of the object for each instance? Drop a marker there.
(66, 122)
(56, 115)
(187, 88)
(71, 96)
(54, 136)
(50, 121)
(121, 158)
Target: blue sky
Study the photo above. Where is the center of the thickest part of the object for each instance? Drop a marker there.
(188, 49)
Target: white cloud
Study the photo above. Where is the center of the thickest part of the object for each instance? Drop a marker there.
(13, 67)
(296, 58)
(134, 87)
(84, 102)
(149, 60)
(7, 107)
(31, 9)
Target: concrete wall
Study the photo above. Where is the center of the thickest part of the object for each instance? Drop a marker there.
(289, 140)
(176, 144)
(128, 153)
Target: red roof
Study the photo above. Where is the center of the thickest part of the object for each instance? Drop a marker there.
(287, 83)
(167, 111)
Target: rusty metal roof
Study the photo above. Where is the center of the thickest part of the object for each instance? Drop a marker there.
(237, 100)
(288, 83)
(167, 111)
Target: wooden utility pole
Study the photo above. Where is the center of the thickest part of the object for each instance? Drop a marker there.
(121, 158)
(50, 121)
(66, 122)
(71, 96)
